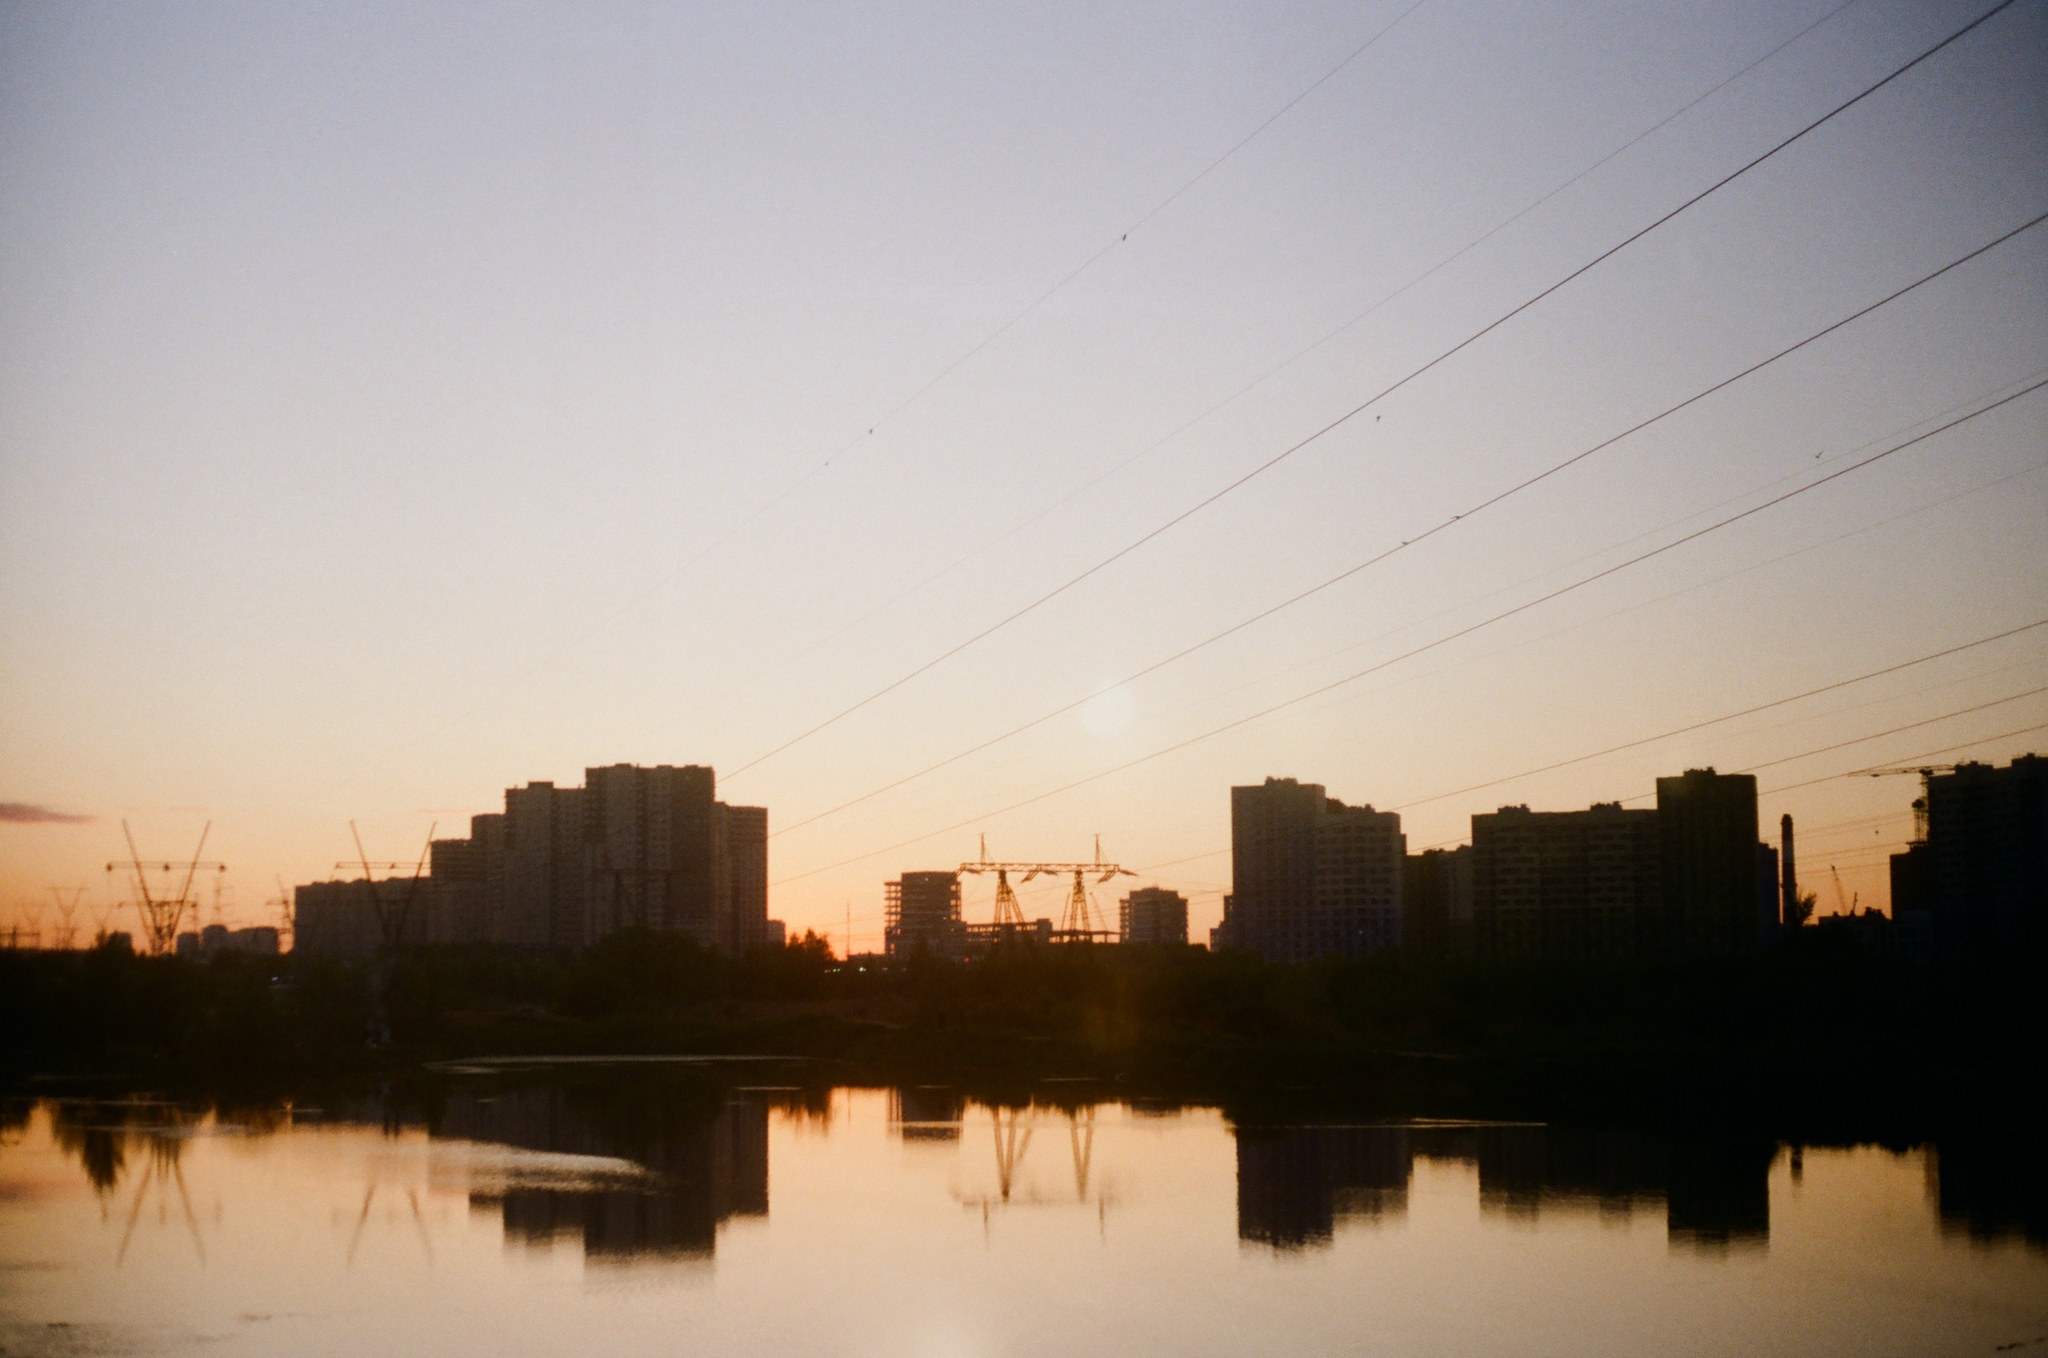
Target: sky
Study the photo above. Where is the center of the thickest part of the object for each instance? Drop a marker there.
(402, 403)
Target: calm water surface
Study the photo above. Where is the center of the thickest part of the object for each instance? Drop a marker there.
(614, 1215)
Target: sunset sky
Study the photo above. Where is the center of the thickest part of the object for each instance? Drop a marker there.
(399, 403)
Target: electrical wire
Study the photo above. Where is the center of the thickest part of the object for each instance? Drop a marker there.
(1811, 782)
(1444, 640)
(992, 543)
(1375, 399)
(1732, 716)
(1389, 552)
(1909, 726)
(1906, 759)
(905, 403)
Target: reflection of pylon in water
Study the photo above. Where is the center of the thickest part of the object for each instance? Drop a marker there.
(163, 1158)
(1009, 1151)
(412, 1197)
(1081, 1131)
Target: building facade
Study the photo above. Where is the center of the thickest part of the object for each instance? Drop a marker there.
(560, 868)
(1436, 902)
(1152, 914)
(746, 880)
(653, 837)
(921, 913)
(1564, 883)
(1706, 845)
(545, 878)
(1987, 836)
(1310, 876)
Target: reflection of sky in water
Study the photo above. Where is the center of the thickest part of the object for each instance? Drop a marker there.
(917, 1221)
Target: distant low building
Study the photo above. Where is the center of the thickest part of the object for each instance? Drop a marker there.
(260, 940)
(1153, 914)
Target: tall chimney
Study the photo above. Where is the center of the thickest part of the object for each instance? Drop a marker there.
(1788, 874)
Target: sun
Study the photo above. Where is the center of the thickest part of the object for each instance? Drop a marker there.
(1109, 712)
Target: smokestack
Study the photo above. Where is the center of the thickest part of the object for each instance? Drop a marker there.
(1788, 874)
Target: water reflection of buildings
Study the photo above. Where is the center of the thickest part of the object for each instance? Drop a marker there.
(926, 1112)
(1295, 1184)
(699, 1172)
(1991, 1188)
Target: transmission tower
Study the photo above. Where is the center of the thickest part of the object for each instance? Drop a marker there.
(1077, 921)
(392, 916)
(67, 906)
(163, 910)
(283, 905)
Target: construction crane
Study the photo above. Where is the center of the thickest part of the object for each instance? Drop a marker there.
(1926, 772)
(391, 919)
(1077, 921)
(32, 937)
(161, 914)
(1846, 904)
(283, 903)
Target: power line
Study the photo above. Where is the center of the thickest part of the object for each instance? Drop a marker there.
(1362, 407)
(1732, 716)
(1444, 640)
(1708, 583)
(890, 414)
(1270, 373)
(1908, 759)
(1812, 830)
(1829, 778)
(1384, 555)
(1909, 726)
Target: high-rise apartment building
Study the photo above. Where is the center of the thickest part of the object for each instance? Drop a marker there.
(1436, 902)
(1706, 845)
(467, 880)
(1152, 914)
(746, 883)
(546, 875)
(1565, 883)
(634, 848)
(1987, 837)
(653, 838)
(1310, 876)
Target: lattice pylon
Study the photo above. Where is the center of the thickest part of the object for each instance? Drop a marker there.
(1079, 918)
(1007, 909)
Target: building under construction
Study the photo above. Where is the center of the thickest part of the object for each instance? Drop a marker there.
(921, 913)
(1975, 878)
